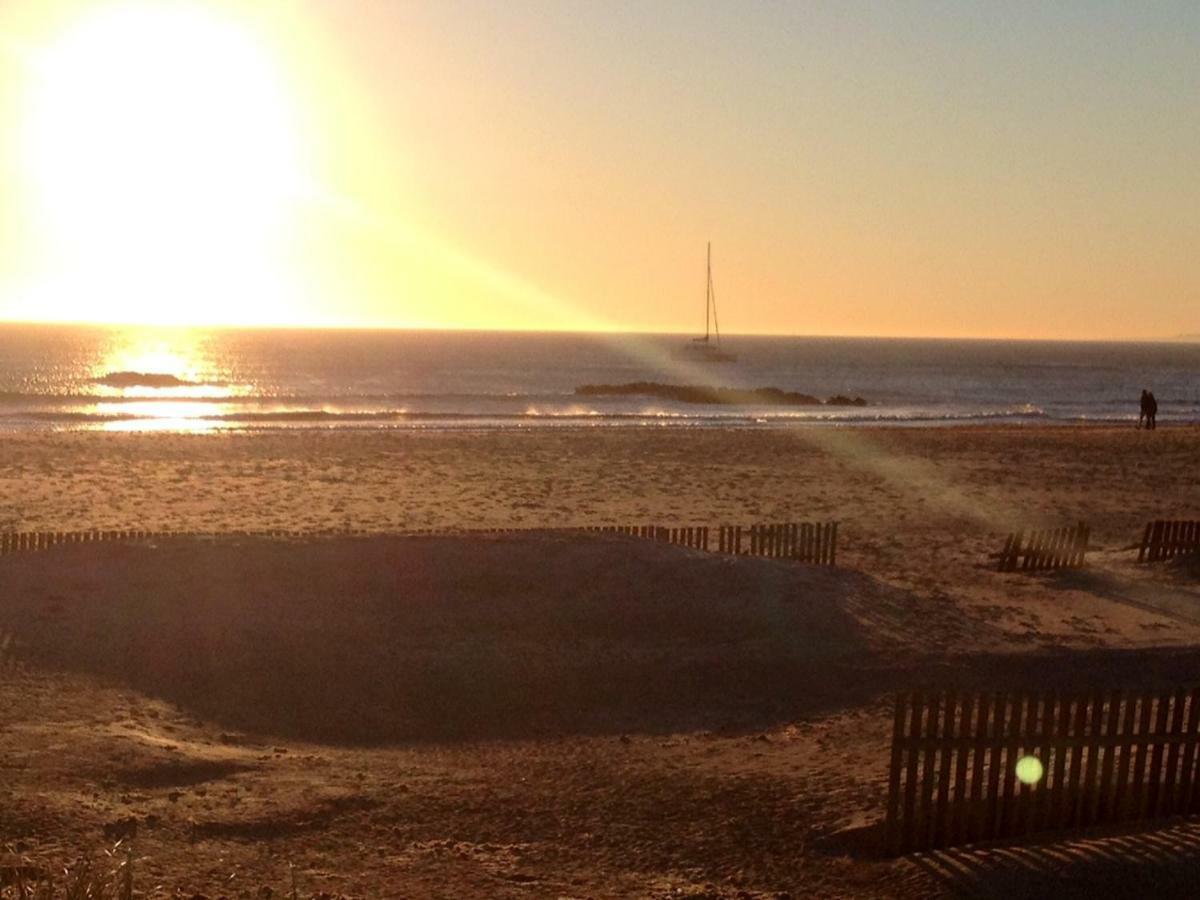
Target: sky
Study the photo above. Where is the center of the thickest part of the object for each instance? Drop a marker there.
(1010, 169)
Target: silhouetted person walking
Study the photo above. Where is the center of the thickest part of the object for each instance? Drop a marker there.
(1151, 411)
(1144, 415)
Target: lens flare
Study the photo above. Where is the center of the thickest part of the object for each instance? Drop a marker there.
(1029, 770)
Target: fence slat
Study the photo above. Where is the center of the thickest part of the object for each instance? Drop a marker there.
(1040, 814)
(1031, 550)
(976, 828)
(1122, 801)
(943, 785)
(1105, 804)
(1140, 758)
(893, 807)
(1188, 778)
(999, 710)
(1057, 800)
(910, 781)
(925, 793)
(958, 818)
(1006, 553)
(1167, 803)
(1023, 821)
(1154, 788)
(1078, 730)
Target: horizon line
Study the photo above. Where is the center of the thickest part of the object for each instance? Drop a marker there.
(1185, 337)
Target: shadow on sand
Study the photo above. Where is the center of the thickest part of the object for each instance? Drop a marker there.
(1163, 862)
(363, 640)
(368, 640)
(1123, 861)
(1180, 601)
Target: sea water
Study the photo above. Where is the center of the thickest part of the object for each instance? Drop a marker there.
(77, 377)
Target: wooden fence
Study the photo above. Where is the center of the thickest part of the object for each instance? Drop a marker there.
(1054, 548)
(1104, 758)
(14, 542)
(814, 542)
(809, 542)
(1168, 539)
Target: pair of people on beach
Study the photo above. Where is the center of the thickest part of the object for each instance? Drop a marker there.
(1149, 410)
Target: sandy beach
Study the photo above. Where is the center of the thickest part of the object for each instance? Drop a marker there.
(368, 369)
(550, 714)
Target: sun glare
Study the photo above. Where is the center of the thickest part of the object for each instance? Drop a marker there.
(163, 159)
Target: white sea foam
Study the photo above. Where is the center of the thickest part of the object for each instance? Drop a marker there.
(54, 377)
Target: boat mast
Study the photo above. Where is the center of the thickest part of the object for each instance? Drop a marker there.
(708, 292)
(712, 300)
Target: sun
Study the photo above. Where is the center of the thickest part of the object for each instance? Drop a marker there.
(163, 158)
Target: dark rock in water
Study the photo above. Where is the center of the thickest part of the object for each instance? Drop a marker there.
(694, 393)
(142, 379)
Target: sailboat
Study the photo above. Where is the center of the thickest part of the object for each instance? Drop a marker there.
(708, 348)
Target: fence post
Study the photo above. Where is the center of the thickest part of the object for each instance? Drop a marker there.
(893, 801)
(948, 749)
(1142, 551)
(1188, 784)
(1167, 804)
(959, 814)
(1156, 541)
(910, 783)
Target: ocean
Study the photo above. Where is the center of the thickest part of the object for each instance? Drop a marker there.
(76, 377)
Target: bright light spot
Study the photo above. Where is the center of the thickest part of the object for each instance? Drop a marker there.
(1029, 770)
(162, 157)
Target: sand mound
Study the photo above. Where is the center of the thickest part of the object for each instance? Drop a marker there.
(368, 639)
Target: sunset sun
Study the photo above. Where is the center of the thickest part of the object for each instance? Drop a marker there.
(162, 158)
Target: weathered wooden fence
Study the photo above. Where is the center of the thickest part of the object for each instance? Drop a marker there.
(1166, 539)
(11, 542)
(14, 541)
(696, 536)
(1053, 548)
(1102, 758)
(809, 542)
